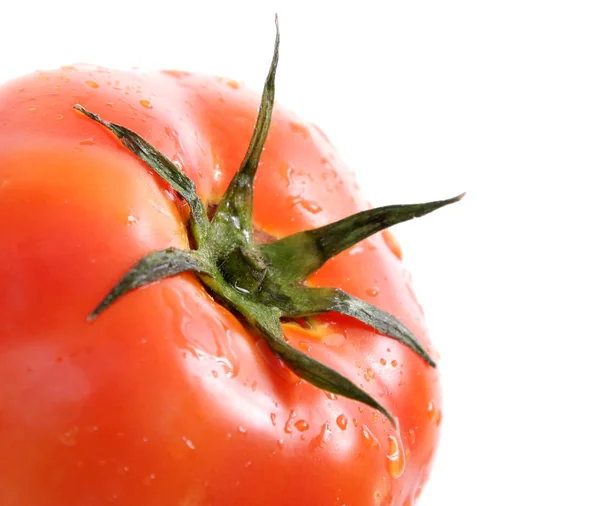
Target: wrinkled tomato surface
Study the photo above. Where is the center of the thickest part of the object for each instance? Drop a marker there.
(167, 399)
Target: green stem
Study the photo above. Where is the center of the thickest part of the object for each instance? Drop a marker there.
(264, 283)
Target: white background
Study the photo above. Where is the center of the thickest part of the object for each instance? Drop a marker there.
(424, 100)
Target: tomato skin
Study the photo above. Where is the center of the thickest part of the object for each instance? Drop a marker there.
(167, 398)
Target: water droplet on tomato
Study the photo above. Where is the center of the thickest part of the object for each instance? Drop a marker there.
(233, 84)
(287, 428)
(310, 206)
(395, 460)
(383, 361)
(369, 374)
(412, 437)
(242, 430)
(320, 440)
(286, 170)
(438, 419)
(33, 108)
(331, 396)
(394, 363)
(146, 103)
(356, 250)
(87, 142)
(342, 422)
(273, 417)
(177, 74)
(431, 410)
(336, 340)
(69, 437)
(149, 479)
(392, 244)
(302, 425)
(304, 346)
(225, 355)
(368, 438)
(92, 84)
(188, 443)
(373, 292)
(132, 220)
(298, 128)
(59, 116)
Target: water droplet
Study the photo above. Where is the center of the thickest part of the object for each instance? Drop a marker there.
(254, 385)
(280, 443)
(336, 340)
(356, 250)
(383, 361)
(342, 422)
(273, 417)
(242, 430)
(438, 419)
(286, 170)
(188, 443)
(395, 460)
(177, 74)
(215, 373)
(431, 410)
(149, 479)
(412, 437)
(392, 244)
(93, 84)
(146, 103)
(298, 128)
(369, 374)
(355, 422)
(368, 438)
(320, 440)
(226, 356)
(69, 437)
(304, 346)
(311, 206)
(131, 220)
(394, 363)
(330, 396)
(33, 108)
(59, 116)
(233, 84)
(288, 424)
(373, 292)
(87, 142)
(302, 425)
(217, 173)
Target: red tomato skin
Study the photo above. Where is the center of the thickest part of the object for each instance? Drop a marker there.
(167, 399)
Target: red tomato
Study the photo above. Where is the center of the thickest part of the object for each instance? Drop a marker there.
(168, 398)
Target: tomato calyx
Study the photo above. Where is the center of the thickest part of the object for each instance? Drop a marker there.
(265, 283)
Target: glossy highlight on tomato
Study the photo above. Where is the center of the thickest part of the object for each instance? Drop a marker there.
(169, 397)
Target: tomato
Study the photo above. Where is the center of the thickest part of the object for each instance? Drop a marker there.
(168, 397)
